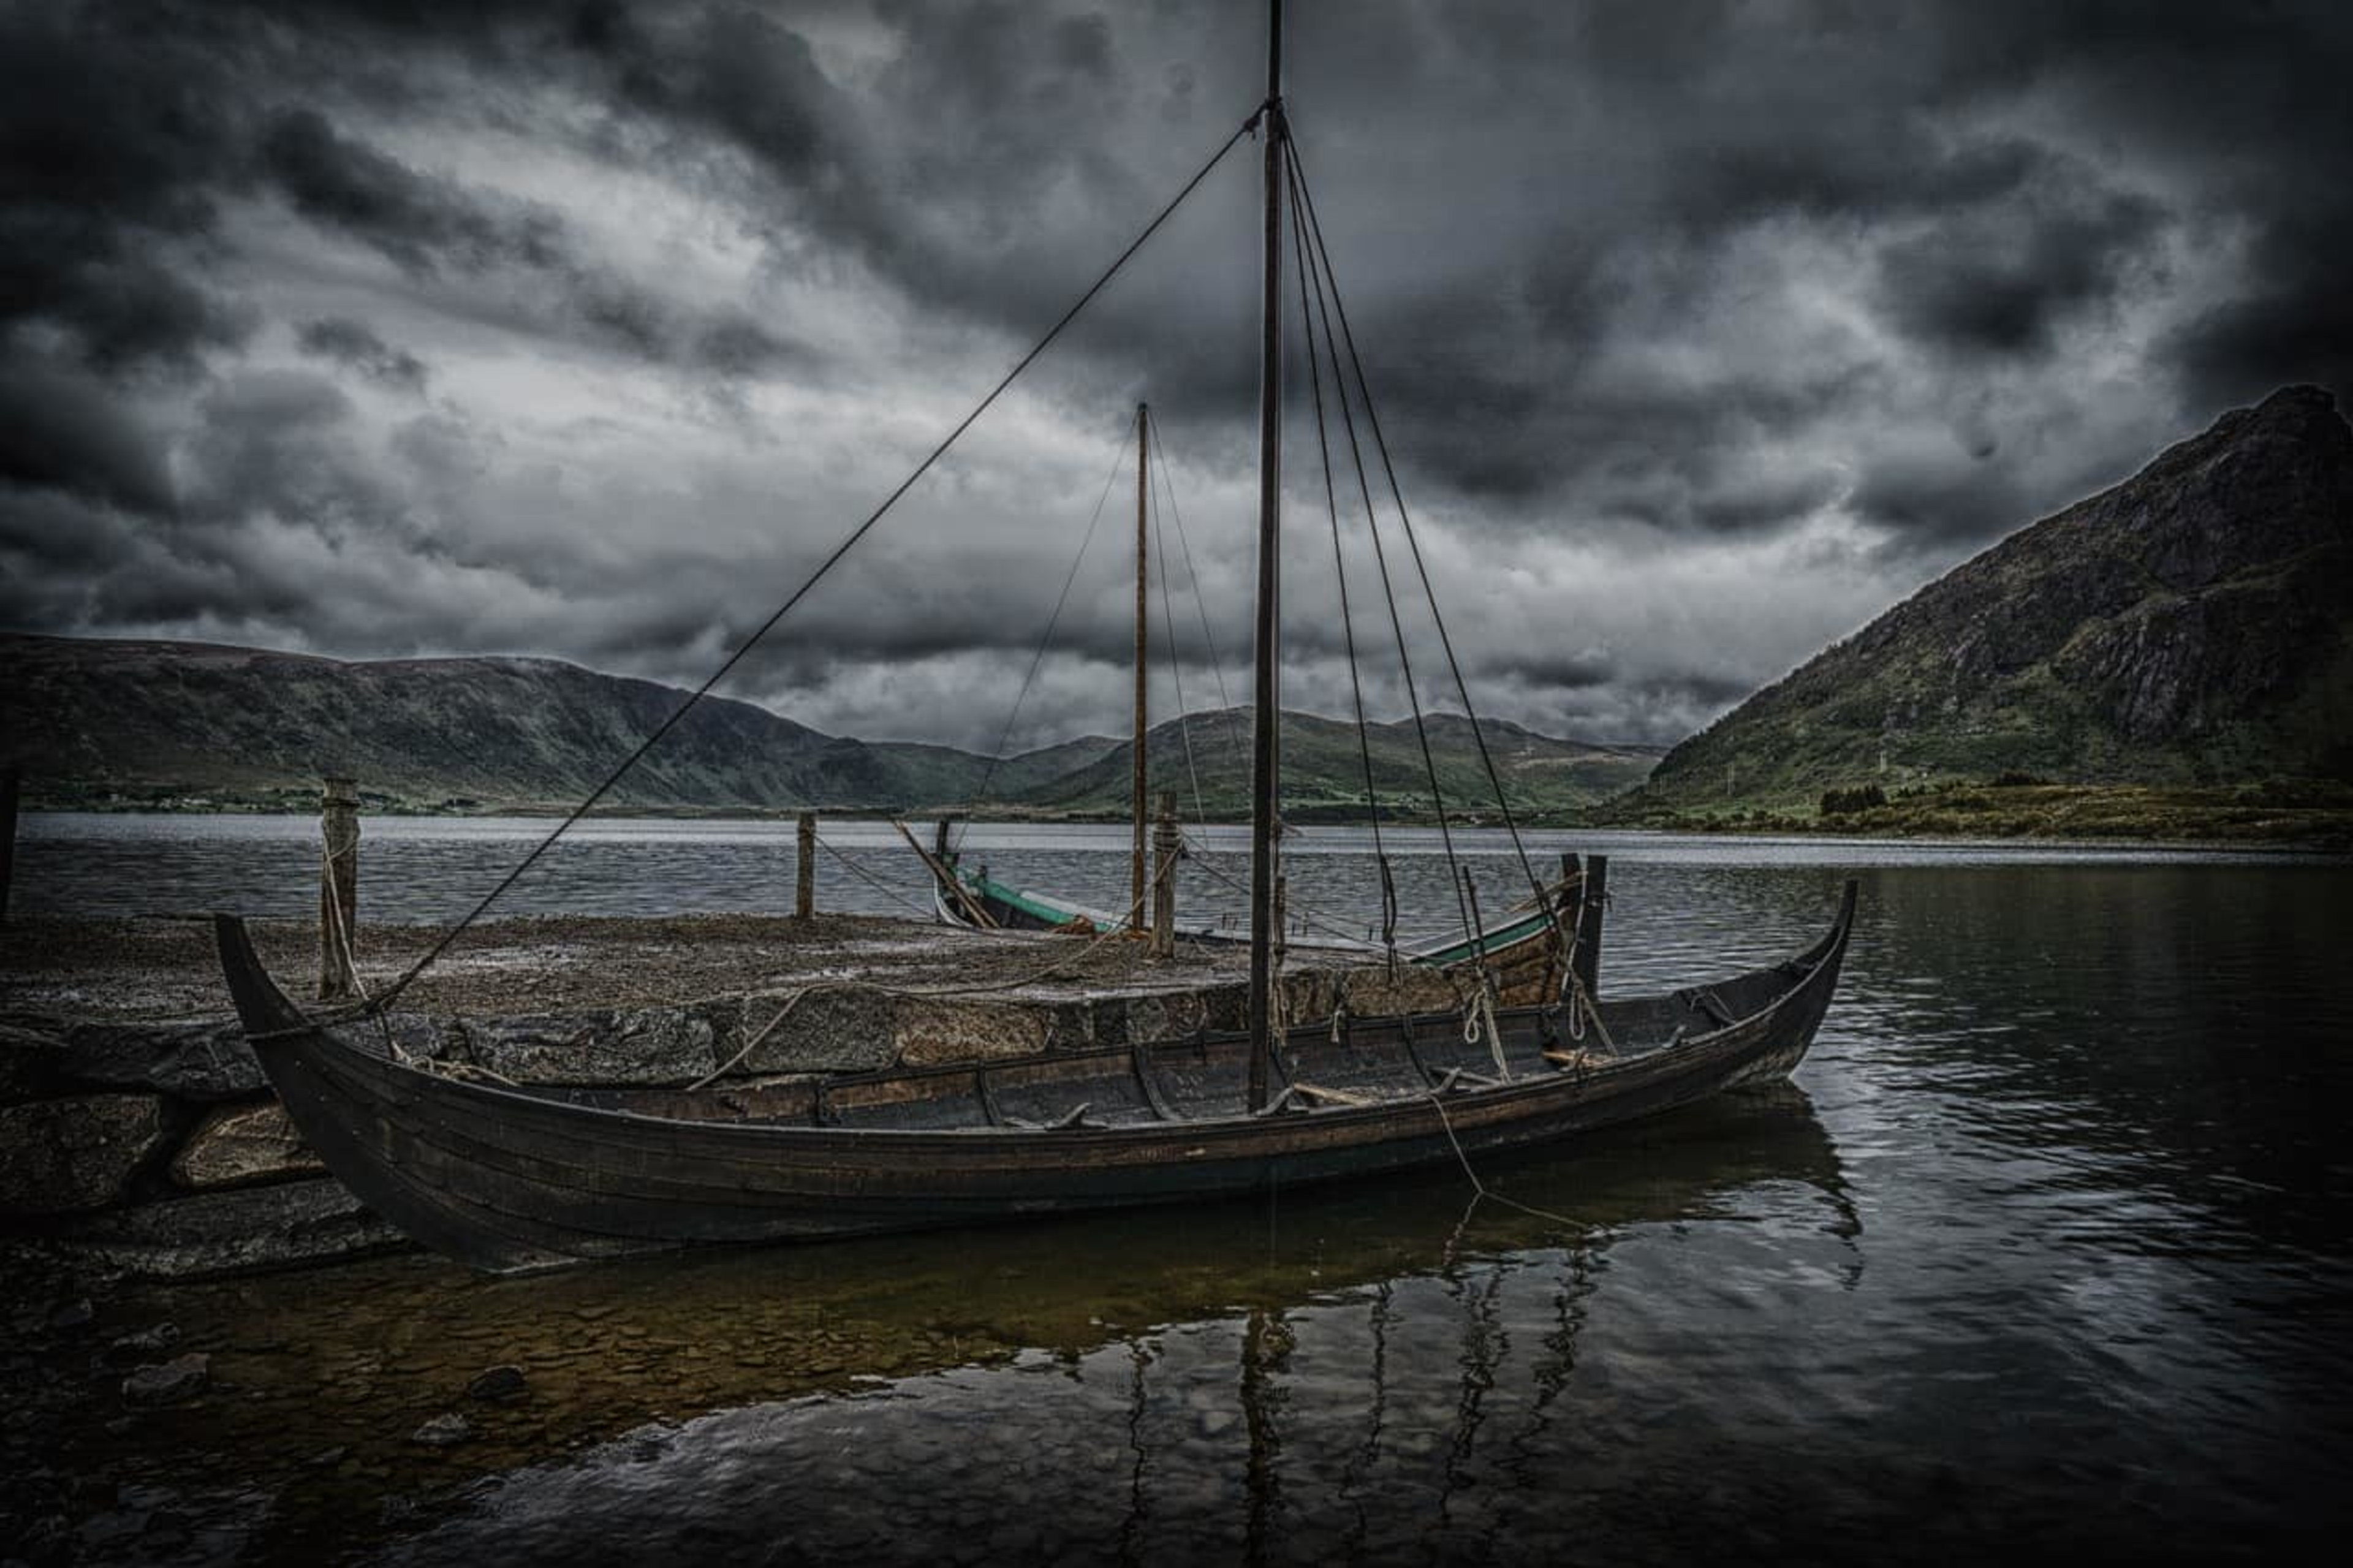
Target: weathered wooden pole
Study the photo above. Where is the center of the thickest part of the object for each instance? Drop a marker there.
(1592, 903)
(1168, 847)
(339, 889)
(1278, 1019)
(10, 780)
(805, 870)
(1567, 911)
(1137, 784)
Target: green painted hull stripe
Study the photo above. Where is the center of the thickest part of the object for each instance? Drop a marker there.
(1500, 938)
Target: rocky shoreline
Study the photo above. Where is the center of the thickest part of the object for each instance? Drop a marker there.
(138, 1136)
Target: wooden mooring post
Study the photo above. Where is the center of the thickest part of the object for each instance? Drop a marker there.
(1592, 903)
(339, 889)
(1167, 849)
(805, 870)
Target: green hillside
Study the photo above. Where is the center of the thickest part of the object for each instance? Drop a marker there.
(1324, 769)
(116, 725)
(2188, 627)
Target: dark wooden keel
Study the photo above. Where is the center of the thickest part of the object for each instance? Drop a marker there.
(506, 1178)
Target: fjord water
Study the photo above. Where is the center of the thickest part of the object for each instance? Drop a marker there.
(2051, 1243)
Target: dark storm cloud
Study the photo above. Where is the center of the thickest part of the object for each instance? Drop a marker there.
(1944, 497)
(2295, 320)
(352, 343)
(110, 156)
(1830, 291)
(62, 430)
(2000, 283)
(340, 183)
(430, 226)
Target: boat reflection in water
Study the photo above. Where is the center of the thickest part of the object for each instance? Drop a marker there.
(1357, 1370)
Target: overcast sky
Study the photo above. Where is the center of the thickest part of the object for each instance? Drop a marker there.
(1702, 332)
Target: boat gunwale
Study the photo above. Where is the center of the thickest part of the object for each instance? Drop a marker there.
(1337, 1118)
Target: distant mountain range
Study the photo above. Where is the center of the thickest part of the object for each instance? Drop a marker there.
(104, 722)
(2189, 627)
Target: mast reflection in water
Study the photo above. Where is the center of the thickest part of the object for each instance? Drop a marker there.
(1334, 1375)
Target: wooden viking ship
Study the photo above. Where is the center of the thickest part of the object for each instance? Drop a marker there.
(511, 1177)
(507, 1178)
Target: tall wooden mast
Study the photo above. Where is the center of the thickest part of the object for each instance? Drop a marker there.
(1266, 646)
(1135, 916)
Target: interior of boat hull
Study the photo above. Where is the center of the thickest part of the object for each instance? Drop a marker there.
(1204, 1077)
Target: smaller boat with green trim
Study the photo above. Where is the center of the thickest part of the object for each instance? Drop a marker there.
(1522, 950)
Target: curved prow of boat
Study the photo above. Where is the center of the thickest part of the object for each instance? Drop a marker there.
(505, 1177)
(261, 1008)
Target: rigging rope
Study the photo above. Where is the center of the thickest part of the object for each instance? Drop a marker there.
(385, 998)
(1340, 571)
(980, 791)
(1372, 417)
(1176, 663)
(1200, 603)
(1380, 555)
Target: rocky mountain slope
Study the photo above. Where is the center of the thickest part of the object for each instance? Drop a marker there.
(115, 723)
(2187, 627)
(1323, 769)
(88, 719)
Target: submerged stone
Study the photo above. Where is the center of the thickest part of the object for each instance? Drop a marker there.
(444, 1431)
(168, 1380)
(497, 1385)
(234, 1231)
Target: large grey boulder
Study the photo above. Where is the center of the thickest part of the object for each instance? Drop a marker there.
(612, 1046)
(243, 1144)
(832, 1029)
(65, 1156)
(415, 1034)
(187, 1059)
(31, 1061)
(932, 1030)
(235, 1232)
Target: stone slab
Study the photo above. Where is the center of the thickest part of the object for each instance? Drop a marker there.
(243, 1144)
(235, 1232)
(71, 1155)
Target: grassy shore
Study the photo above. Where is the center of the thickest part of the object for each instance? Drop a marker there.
(2283, 814)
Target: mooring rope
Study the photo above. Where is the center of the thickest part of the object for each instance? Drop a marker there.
(341, 931)
(1482, 1189)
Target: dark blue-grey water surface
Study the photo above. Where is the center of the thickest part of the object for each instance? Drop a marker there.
(2049, 1248)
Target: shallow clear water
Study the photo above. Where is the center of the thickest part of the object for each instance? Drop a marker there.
(2052, 1246)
